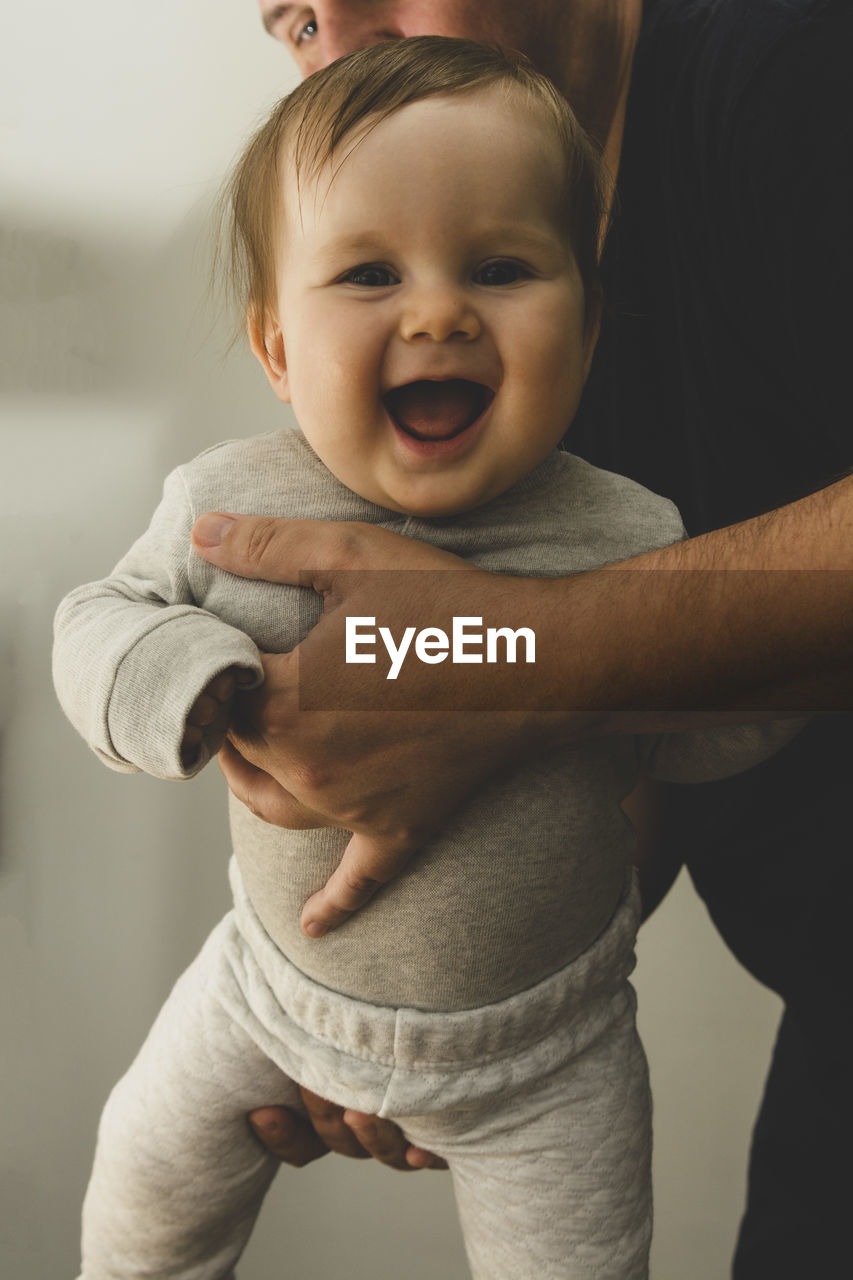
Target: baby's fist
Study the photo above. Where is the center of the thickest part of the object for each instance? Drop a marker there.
(211, 708)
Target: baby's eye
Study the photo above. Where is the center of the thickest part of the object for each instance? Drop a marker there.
(370, 276)
(500, 272)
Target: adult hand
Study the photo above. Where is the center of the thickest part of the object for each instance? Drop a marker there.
(623, 649)
(298, 1142)
(387, 775)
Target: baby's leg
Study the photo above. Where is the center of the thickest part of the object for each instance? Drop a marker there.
(178, 1177)
(554, 1183)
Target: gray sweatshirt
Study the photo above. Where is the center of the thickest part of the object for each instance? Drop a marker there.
(529, 872)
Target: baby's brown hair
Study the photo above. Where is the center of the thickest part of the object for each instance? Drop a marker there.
(364, 88)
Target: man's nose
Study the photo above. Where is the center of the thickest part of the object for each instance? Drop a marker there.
(346, 25)
(442, 313)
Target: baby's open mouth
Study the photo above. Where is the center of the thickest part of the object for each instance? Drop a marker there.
(437, 410)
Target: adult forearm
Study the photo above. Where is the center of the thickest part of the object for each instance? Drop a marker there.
(753, 619)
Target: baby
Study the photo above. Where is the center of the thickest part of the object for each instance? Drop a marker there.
(418, 225)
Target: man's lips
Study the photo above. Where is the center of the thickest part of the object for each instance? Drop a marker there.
(434, 410)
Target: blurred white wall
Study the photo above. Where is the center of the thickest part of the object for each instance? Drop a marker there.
(117, 123)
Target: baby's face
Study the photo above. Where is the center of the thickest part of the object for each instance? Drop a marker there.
(432, 332)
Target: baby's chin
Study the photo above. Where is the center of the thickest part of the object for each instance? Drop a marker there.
(432, 506)
(452, 491)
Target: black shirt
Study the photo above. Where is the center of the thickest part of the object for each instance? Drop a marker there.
(721, 377)
(721, 381)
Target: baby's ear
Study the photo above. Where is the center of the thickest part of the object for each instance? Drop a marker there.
(267, 342)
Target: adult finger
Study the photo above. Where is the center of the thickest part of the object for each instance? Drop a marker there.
(419, 1158)
(287, 1136)
(388, 1144)
(261, 794)
(279, 550)
(273, 549)
(352, 1133)
(365, 866)
(329, 1125)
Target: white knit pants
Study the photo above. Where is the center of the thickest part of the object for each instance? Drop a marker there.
(538, 1103)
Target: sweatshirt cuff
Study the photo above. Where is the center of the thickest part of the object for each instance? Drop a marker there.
(159, 680)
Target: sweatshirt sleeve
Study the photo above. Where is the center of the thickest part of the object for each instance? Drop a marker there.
(707, 755)
(133, 651)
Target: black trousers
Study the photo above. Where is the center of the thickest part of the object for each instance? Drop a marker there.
(771, 854)
(797, 1220)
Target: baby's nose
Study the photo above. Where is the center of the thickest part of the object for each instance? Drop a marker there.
(440, 313)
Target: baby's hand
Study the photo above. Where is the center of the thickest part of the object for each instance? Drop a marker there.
(211, 707)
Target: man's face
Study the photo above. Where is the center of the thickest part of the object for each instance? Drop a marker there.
(318, 33)
(431, 334)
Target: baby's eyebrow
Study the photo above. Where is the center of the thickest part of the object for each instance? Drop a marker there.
(361, 245)
(367, 243)
(523, 236)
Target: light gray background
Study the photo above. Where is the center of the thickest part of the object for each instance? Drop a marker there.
(118, 122)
